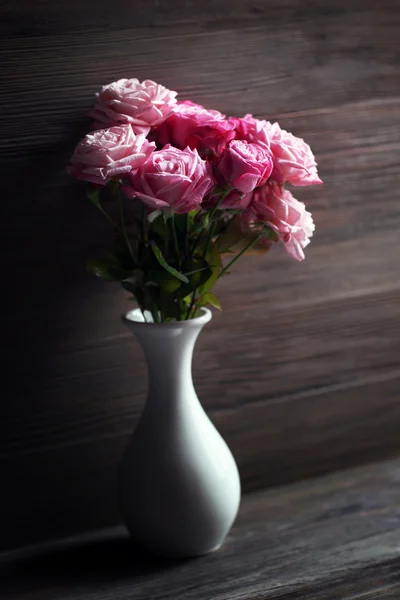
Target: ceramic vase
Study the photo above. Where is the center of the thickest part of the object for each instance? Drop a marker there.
(179, 483)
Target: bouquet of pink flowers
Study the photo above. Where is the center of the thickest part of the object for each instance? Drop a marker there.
(188, 186)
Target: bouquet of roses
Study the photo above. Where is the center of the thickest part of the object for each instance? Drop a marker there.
(184, 187)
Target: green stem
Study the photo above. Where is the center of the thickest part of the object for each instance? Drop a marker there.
(210, 236)
(141, 308)
(187, 226)
(228, 266)
(122, 221)
(216, 206)
(191, 306)
(196, 243)
(175, 239)
(166, 245)
(143, 225)
(179, 311)
(107, 216)
(153, 308)
(195, 271)
(212, 212)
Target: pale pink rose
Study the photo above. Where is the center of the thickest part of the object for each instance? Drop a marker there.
(294, 161)
(207, 131)
(245, 166)
(143, 105)
(172, 179)
(276, 207)
(109, 153)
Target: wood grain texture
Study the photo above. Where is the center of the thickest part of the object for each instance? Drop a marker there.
(301, 371)
(336, 537)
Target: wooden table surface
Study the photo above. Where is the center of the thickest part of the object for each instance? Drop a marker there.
(332, 538)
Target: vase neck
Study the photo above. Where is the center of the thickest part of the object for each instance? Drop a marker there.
(168, 353)
(168, 349)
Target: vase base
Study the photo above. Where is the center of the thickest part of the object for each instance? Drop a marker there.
(166, 554)
(183, 555)
(215, 549)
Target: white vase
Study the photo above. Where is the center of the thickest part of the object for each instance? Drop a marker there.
(179, 483)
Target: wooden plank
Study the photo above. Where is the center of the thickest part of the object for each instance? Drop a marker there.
(56, 16)
(335, 537)
(258, 71)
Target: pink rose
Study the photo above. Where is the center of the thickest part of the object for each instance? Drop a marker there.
(108, 153)
(143, 105)
(287, 216)
(248, 128)
(192, 125)
(171, 179)
(245, 166)
(294, 161)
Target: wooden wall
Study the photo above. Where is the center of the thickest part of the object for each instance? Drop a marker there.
(301, 371)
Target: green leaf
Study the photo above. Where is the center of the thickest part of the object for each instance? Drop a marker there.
(167, 282)
(200, 221)
(205, 221)
(159, 256)
(214, 261)
(199, 272)
(107, 270)
(193, 213)
(208, 298)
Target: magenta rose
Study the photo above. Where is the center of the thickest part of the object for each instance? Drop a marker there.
(109, 153)
(143, 105)
(276, 207)
(171, 179)
(245, 166)
(207, 131)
